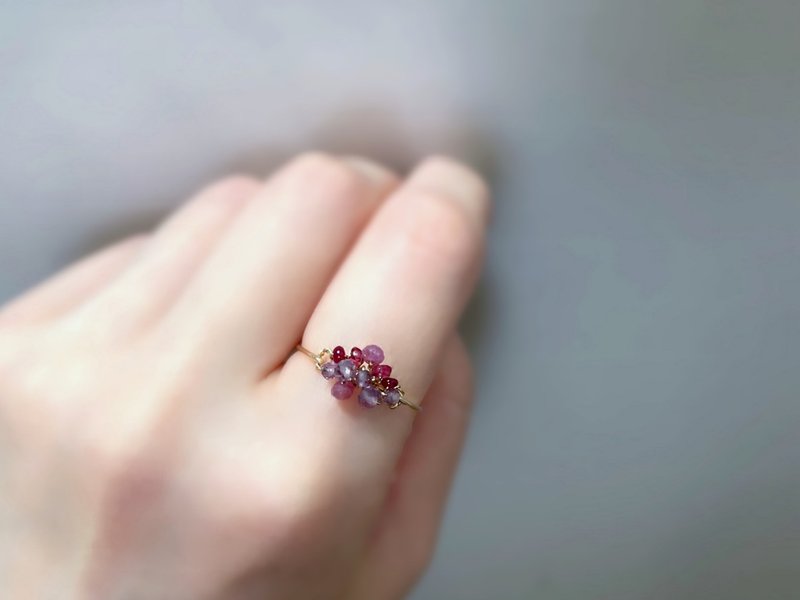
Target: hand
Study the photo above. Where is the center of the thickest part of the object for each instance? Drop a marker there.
(156, 443)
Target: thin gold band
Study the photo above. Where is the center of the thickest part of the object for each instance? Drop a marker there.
(320, 358)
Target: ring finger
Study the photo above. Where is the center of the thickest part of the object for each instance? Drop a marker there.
(403, 286)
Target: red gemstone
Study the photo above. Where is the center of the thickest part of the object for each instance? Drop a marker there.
(382, 370)
(338, 354)
(357, 355)
(389, 383)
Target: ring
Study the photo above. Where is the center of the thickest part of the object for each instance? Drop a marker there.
(362, 369)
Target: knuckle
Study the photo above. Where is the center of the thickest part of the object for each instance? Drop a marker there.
(290, 532)
(125, 468)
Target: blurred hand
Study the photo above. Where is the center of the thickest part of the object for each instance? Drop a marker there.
(156, 443)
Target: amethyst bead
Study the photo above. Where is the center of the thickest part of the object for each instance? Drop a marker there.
(328, 370)
(373, 353)
(392, 397)
(363, 377)
(347, 369)
(369, 397)
(342, 390)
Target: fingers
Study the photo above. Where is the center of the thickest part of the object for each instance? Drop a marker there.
(168, 262)
(255, 293)
(403, 286)
(408, 524)
(71, 287)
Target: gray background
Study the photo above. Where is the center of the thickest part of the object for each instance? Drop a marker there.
(636, 435)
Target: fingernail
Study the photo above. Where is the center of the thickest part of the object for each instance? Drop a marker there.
(376, 173)
(454, 179)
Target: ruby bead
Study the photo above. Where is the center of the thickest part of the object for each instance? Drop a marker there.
(342, 390)
(337, 354)
(382, 370)
(389, 383)
(357, 355)
(373, 354)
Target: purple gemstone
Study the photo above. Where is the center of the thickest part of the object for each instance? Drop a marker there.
(363, 377)
(347, 369)
(328, 370)
(369, 397)
(342, 390)
(392, 397)
(373, 354)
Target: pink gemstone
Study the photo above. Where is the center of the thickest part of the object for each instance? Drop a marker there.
(389, 383)
(373, 354)
(342, 390)
(382, 370)
(357, 355)
(337, 354)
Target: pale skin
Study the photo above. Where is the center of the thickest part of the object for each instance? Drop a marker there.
(156, 442)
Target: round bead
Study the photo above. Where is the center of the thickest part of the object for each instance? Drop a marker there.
(392, 397)
(357, 355)
(363, 377)
(347, 369)
(342, 390)
(369, 397)
(337, 354)
(382, 370)
(373, 353)
(389, 383)
(328, 370)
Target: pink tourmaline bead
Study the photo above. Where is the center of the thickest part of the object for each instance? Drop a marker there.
(373, 353)
(342, 390)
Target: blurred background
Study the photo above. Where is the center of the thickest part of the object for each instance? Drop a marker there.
(637, 328)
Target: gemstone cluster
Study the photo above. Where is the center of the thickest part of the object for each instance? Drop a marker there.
(362, 369)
